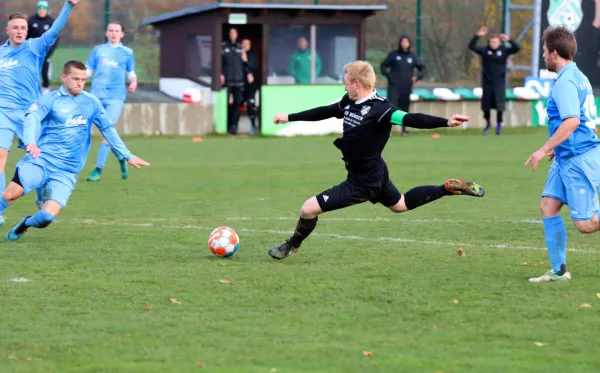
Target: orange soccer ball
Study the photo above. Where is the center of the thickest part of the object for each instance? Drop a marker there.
(223, 241)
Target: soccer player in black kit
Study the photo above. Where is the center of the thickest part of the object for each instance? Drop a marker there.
(368, 121)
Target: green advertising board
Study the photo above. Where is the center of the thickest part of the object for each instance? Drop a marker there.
(294, 98)
(539, 118)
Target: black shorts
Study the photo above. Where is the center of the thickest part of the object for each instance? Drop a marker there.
(353, 191)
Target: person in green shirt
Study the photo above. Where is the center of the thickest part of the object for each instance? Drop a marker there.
(300, 63)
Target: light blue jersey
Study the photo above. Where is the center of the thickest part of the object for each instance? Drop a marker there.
(572, 97)
(20, 67)
(574, 176)
(110, 65)
(66, 125)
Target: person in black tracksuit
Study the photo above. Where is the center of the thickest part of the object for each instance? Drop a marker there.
(250, 84)
(398, 68)
(233, 76)
(39, 23)
(493, 74)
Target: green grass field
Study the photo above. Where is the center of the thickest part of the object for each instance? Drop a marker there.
(367, 280)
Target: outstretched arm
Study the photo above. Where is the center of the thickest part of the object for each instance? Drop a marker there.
(473, 45)
(424, 121)
(108, 130)
(311, 115)
(49, 37)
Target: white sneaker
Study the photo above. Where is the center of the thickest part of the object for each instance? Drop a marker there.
(551, 276)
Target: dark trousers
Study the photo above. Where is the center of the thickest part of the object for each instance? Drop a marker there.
(233, 109)
(400, 97)
(250, 100)
(45, 74)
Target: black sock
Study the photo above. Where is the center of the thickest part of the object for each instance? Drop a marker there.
(421, 195)
(303, 229)
(21, 228)
(563, 270)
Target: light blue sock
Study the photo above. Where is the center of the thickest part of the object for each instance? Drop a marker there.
(119, 157)
(2, 182)
(3, 205)
(556, 241)
(41, 219)
(102, 155)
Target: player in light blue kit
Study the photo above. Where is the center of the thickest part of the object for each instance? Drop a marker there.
(20, 65)
(574, 175)
(110, 64)
(66, 117)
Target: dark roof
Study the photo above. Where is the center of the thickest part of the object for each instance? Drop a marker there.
(208, 7)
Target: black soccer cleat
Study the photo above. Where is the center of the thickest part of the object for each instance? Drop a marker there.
(283, 250)
(460, 187)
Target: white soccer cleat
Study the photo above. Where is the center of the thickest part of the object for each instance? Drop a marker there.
(551, 276)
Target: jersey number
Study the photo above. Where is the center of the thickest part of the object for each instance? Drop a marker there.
(590, 111)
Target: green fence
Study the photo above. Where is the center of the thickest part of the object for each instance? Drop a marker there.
(441, 28)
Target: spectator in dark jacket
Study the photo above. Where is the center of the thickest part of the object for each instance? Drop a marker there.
(398, 68)
(39, 23)
(493, 74)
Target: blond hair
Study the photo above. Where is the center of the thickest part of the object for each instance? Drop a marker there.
(361, 71)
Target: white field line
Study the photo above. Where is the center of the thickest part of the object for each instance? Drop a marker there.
(367, 220)
(316, 234)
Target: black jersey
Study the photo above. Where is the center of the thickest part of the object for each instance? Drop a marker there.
(367, 128)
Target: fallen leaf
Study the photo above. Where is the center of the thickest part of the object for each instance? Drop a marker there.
(273, 370)
(540, 344)
(12, 357)
(224, 281)
(455, 301)
(26, 357)
(598, 295)
(367, 353)
(540, 263)
(200, 365)
(460, 252)
(438, 371)
(148, 308)
(175, 301)
(523, 263)
(585, 305)
(340, 262)
(145, 298)
(564, 295)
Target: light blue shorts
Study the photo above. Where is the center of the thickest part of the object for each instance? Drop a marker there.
(113, 108)
(58, 185)
(11, 124)
(575, 182)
